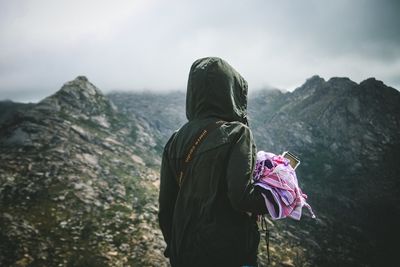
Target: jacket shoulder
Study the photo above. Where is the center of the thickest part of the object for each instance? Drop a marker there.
(234, 130)
(171, 140)
(227, 133)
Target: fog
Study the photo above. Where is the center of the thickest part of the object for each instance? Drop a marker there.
(150, 45)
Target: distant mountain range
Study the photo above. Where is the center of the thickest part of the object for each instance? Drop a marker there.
(79, 174)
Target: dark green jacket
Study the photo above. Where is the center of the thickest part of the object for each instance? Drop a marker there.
(204, 222)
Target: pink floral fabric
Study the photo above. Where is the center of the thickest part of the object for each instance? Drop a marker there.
(274, 173)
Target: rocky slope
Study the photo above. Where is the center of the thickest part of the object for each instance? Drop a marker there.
(79, 174)
(159, 114)
(75, 185)
(347, 137)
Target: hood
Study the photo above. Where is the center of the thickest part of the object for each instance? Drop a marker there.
(215, 89)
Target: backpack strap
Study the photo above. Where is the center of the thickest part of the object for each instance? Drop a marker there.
(199, 138)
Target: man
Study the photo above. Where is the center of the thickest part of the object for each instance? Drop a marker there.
(205, 203)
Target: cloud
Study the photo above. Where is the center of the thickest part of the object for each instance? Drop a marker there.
(151, 44)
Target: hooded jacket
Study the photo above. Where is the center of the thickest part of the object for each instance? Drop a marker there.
(205, 221)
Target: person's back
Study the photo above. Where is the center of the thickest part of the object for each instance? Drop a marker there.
(204, 219)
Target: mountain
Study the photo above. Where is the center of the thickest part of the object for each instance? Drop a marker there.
(160, 114)
(75, 185)
(346, 135)
(8, 109)
(79, 174)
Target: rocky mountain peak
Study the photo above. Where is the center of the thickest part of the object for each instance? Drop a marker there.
(376, 91)
(310, 86)
(312, 83)
(82, 78)
(343, 83)
(73, 188)
(78, 102)
(373, 84)
(80, 87)
(372, 80)
(78, 96)
(315, 79)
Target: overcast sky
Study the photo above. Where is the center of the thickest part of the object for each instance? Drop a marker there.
(150, 45)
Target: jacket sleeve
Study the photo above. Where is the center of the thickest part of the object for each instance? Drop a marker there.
(241, 192)
(167, 197)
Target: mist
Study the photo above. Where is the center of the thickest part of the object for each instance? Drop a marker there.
(150, 45)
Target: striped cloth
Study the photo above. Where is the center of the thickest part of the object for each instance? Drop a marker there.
(274, 173)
